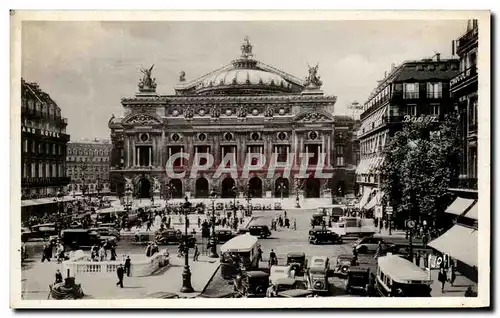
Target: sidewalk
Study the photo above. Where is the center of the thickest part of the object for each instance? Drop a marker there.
(457, 290)
(36, 280)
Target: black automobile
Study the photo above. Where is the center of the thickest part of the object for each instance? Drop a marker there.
(252, 284)
(320, 236)
(224, 235)
(261, 231)
(80, 238)
(298, 261)
(359, 281)
(174, 237)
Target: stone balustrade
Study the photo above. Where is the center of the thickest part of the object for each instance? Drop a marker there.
(140, 265)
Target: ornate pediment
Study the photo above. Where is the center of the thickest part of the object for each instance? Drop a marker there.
(142, 119)
(313, 117)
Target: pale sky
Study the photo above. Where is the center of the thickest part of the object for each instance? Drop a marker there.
(87, 67)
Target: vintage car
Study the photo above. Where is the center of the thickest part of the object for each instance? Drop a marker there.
(173, 237)
(282, 284)
(219, 206)
(317, 219)
(277, 206)
(359, 281)
(257, 206)
(267, 207)
(297, 261)
(224, 235)
(278, 272)
(107, 231)
(316, 276)
(320, 236)
(80, 238)
(44, 231)
(26, 234)
(295, 293)
(251, 283)
(369, 244)
(343, 264)
(261, 231)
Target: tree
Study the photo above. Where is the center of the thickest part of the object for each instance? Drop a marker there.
(420, 161)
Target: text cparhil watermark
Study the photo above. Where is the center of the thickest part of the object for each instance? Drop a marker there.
(179, 165)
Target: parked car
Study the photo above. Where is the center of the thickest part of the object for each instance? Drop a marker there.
(224, 235)
(257, 206)
(107, 231)
(44, 231)
(277, 205)
(316, 275)
(319, 236)
(252, 284)
(261, 231)
(297, 261)
(278, 272)
(359, 281)
(343, 264)
(80, 238)
(173, 237)
(369, 244)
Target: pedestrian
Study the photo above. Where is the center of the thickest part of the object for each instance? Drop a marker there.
(417, 259)
(259, 254)
(295, 224)
(378, 252)
(45, 253)
(113, 253)
(453, 275)
(442, 278)
(199, 222)
(196, 253)
(119, 272)
(59, 277)
(128, 264)
(287, 223)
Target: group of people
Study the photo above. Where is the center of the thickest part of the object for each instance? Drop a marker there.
(48, 252)
(99, 253)
(282, 221)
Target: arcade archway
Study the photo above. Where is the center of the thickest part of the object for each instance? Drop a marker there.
(201, 188)
(176, 186)
(312, 188)
(255, 187)
(281, 186)
(144, 188)
(227, 188)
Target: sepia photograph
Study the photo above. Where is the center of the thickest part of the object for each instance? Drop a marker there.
(175, 159)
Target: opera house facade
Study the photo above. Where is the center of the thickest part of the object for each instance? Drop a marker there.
(244, 107)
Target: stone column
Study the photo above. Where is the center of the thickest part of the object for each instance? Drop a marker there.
(138, 158)
(134, 152)
(328, 148)
(149, 156)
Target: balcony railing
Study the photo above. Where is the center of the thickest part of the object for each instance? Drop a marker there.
(464, 183)
(464, 76)
(392, 119)
(38, 181)
(469, 37)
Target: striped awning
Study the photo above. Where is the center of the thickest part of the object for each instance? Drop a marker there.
(377, 198)
(364, 199)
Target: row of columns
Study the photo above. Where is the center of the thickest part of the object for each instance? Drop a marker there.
(132, 149)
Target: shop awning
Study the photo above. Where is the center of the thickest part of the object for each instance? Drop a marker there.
(362, 167)
(377, 198)
(365, 197)
(473, 213)
(459, 242)
(459, 206)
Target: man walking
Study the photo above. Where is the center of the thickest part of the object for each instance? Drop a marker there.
(119, 272)
(127, 265)
(196, 253)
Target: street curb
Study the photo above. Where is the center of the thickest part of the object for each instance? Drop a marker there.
(210, 280)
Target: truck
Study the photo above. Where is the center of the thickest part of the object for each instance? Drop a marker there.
(353, 227)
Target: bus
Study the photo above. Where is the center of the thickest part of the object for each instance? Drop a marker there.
(398, 277)
(239, 253)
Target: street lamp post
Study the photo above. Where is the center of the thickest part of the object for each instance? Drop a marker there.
(186, 273)
(248, 201)
(297, 199)
(213, 240)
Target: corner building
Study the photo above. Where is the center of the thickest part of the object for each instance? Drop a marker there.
(244, 107)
